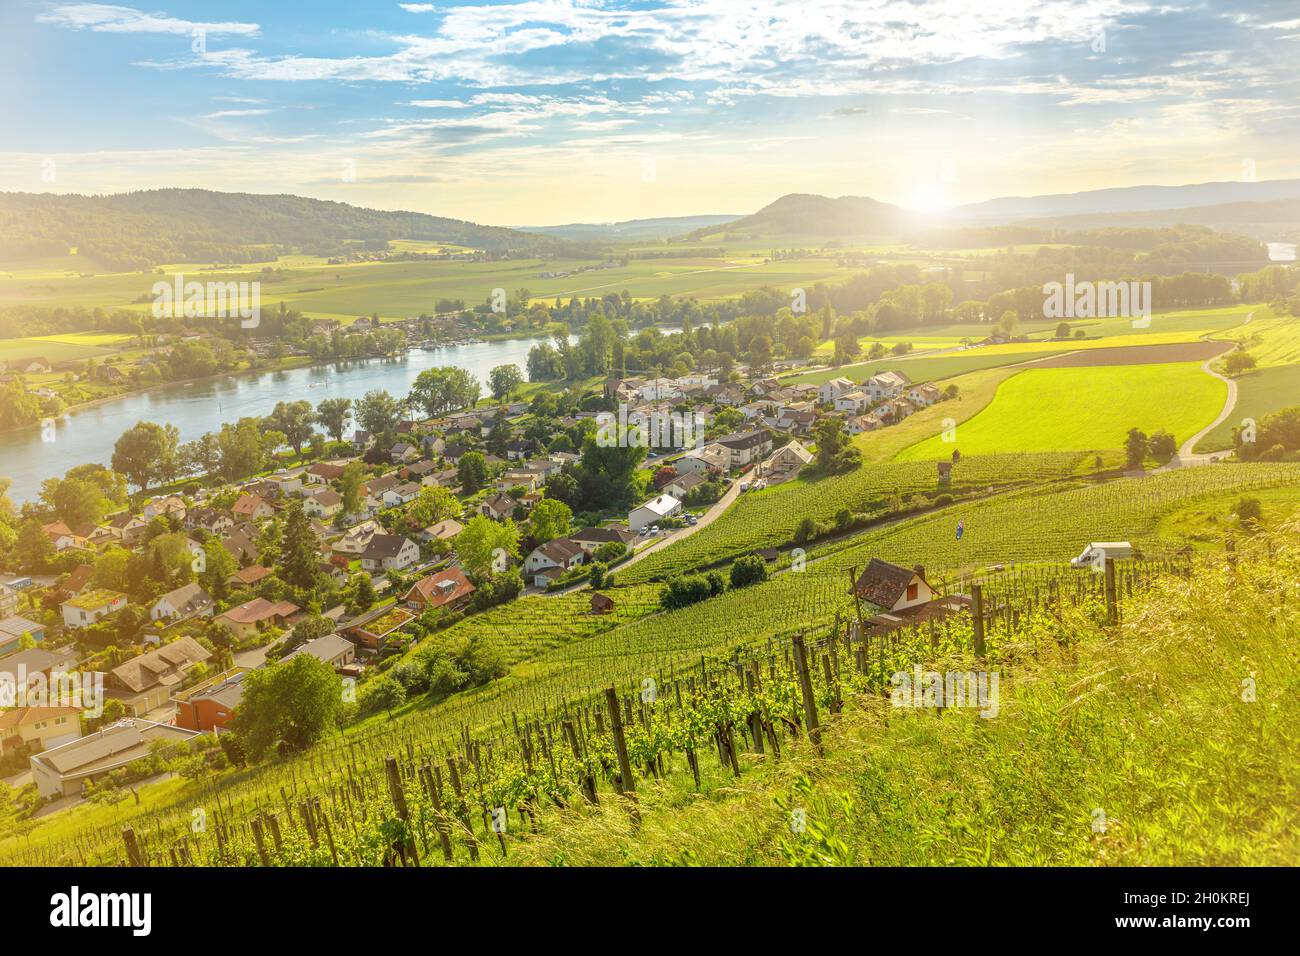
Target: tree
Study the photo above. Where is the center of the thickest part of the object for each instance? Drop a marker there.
(140, 452)
(1238, 362)
(74, 501)
(472, 472)
(218, 565)
(434, 503)
(294, 420)
(503, 380)
(350, 483)
(378, 412)
(1248, 511)
(361, 594)
(483, 542)
(1008, 322)
(33, 548)
(444, 389)
(551, 519)
(747, 570)
(333, 415)
(246, 448)
(290, 705)
(1063, 330)
(1135, 448)
(1162, 446)
(298, 553)
(382, 693)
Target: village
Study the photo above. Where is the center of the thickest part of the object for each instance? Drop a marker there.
(454, 515)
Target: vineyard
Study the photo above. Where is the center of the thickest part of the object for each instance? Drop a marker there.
(681, 650)
(768, 518)
(430, 793)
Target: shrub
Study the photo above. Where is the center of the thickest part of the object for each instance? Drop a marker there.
(747, 570)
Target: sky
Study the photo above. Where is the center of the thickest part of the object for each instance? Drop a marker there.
(555, 111)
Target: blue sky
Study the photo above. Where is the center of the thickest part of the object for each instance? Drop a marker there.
(548, 111)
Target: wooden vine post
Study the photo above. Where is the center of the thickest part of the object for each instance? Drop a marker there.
(399, 804)
(1112, 601)
(627, 785)
(806, 691)
(977, 617)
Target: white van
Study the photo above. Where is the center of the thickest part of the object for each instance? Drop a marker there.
(1095, 554)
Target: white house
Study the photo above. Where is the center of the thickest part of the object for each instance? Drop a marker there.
(400, 494)
(827, 392)
(924, 395)
(323, 504)
(550, 560)
(185, 602)
(887, 385)
(852, 402)
(89, 606)
(357, 538)
(389, 552)
(652, 511)
(712, 457)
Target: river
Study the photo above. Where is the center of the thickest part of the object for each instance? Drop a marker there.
(31, 455)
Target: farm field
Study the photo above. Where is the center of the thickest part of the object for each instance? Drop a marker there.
(1259, 392)
(1271, 340)
(60, 348)
(923, 368)
(768, 518)
(1084, 409)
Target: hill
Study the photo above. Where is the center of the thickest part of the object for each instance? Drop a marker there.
(803, 214)
(632, 230)
(140, 230)
(1276, 220)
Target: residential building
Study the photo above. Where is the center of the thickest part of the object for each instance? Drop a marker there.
(590, 539)
(146, 682)
(14, 627)
(256, 615)
(90, 606)
(38, 728)
(252, 507)
(548, 561)
(334, 649)
(323, 504)
(647, 514)
(65, 770)
(448, 588)
(210, 706)
(181, 604)
(746, 447)
(827, 392)
(389, 552)
(442, 531)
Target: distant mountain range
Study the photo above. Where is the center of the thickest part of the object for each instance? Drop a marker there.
(631, 230)
(143, 229)
(803, 214)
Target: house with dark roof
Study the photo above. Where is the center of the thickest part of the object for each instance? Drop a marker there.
(256, 615)
(183, 603)
(389, 552)
(548, 561)
(589, 539)
(498, 507)
(210, 705)
(146, 682)
(332, 649)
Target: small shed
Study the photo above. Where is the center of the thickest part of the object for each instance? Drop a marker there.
(601, 603)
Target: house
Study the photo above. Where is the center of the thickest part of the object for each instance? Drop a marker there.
(498, 507)
(164, 506)
(147, 682)
(24, 668)
(418, 471)
(90, 606)
(748, 446)
(683, 485)
(31, 366)
(389, 552)
(862, 423)
(799, 421)
(63, 537)
(885, 385)
(601, 603)
(14, 628)
(925, 395)
(65, 770)
(827, 392)
(454, 451)
(9, 599)
(786, 461)
(403, 452)
(357, 538)
(78, 580)
(241, 546)
(130, 528)
(442, 531)
(518, 479)
(210, 520)
(210, 706)
(38, 728)
(333, 649)
(248, 577)
(375, 627)
(256, 615)
(323, 504)
(590, 539)
(518, 449)
(400, 494)
(555, 556)
(185, 602)
(252, 507)
(892, 587)
(448, 589)
(712, 458)
(852, 402)
(323, 472)
(650, 512)
(373, 490)
(288, 483)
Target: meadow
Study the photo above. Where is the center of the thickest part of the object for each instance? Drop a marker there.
(1259, 392)
(1084, 409)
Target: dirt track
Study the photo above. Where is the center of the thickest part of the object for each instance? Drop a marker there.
(1136, 355)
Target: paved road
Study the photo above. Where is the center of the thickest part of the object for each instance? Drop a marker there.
(714, 512)
(1187, 456)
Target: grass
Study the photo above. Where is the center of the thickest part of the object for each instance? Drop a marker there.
(1270, 339)
(1084, 409)
(1108, 749)
(1259, 392)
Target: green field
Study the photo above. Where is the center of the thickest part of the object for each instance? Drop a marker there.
(1259, 392)
(1084, 409)
(1272, 341)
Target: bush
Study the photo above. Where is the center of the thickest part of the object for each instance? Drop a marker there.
(1249, 510)
(747, 570)
(610, 552)
(684, 590)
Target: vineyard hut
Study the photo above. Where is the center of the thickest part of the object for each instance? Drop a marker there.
(601, 603)
(892, 587)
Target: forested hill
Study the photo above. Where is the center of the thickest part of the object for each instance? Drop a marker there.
(142, 229)
(801, 214)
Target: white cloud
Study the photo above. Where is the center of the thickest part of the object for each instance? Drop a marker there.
(107, 18)
(417, 7)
